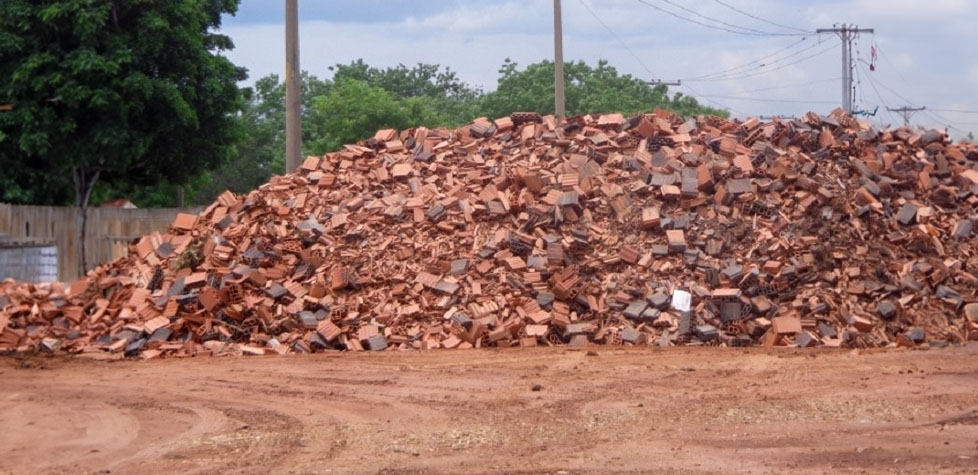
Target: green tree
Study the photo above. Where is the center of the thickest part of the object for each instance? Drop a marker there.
(422, 80)
(587, 90)
(261, 152)
(354, 110)
(441, 89)
(118, 91)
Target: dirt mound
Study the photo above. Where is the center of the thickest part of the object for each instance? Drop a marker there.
(527, 231)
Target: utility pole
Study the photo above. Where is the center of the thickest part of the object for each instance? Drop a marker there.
(293, 136)
(846, 33)
(558, 63)
(906, 112)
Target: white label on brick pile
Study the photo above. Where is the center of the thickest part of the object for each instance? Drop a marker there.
(681, 300)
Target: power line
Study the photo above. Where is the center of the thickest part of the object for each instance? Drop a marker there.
(907, 112)
(737, 75)
(789, 86)
(761, 73)
(935, 117)
(694, 12)
(747, 31)
(618, 38)
(927, 112)
(943, 120)
(759, 99)
(758, 60)
(859, 79)
(707, 99)
(956, 111)
(639, 60)
(901, 96)
(757, 17)
(872, 82)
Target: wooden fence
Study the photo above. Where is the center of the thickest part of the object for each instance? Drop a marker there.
(106, 235)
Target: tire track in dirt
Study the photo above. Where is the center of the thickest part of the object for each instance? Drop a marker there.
(684, 411)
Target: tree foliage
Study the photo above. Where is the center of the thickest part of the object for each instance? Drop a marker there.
(354, 109)
(587, 90)
(132, 92)
(126, 90)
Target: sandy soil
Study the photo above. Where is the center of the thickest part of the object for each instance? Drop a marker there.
(512, 411)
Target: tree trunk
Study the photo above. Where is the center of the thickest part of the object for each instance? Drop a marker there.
(84, 182)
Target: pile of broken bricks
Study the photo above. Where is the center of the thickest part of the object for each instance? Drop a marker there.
(526, 231)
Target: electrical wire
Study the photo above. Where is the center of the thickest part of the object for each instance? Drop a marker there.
(759, 99)
(926, 112)
(761, 73)
(859, 79)
(707, 99)
(872, 83)
(618, 38)
(758, 18)
(696, 13)
(746, 31)
(942, 120)
(758, 60)
(929, 112)
(639, 60)
(956, 111)
(788, 86)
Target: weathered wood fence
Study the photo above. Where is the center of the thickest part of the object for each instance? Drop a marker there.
(106, 237)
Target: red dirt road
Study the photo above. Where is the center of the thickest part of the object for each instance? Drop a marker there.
(672, 411)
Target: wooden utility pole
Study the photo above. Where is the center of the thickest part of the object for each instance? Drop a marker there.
(558, 63)
(906, 112)
(293, 126)
(846, 33)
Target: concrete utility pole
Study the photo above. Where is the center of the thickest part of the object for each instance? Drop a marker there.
(558, 63)
(846, 33)
(293, 127)
(906, 112)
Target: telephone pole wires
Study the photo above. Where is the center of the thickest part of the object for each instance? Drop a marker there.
(906, 112)
(846, 33)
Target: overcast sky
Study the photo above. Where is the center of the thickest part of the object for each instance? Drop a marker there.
(926, 47)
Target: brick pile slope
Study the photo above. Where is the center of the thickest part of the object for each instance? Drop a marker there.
(649, 230)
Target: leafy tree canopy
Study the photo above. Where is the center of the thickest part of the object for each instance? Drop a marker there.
(587, 90)
(354, 109)
(122, 91)
(115, 90)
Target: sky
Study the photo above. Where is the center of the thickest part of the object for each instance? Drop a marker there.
(771, 63)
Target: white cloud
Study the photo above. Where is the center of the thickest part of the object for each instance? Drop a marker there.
(904, 61)
(915, 10)
(489, 18)
(973, 75)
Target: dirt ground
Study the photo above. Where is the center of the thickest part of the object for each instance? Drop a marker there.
(512, 411)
